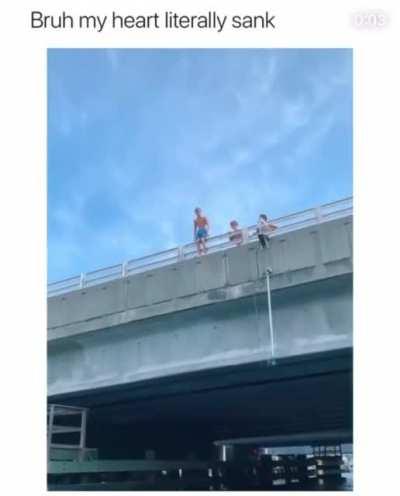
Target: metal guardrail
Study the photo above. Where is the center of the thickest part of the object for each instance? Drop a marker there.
(287, 223)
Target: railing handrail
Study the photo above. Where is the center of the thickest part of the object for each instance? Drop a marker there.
(63, 280)
(101, 269)
(179, 253)
(152, 255)
(342, 200)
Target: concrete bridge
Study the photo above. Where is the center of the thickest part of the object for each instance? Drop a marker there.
(186, 347)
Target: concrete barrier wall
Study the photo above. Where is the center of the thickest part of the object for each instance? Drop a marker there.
(82, 305)
(309, 318)
(311, 249)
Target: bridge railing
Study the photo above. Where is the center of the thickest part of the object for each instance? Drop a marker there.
(287, 223)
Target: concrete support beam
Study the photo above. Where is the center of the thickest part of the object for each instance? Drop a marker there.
(298, 257)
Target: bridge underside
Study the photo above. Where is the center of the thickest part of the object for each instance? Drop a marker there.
(183, 414)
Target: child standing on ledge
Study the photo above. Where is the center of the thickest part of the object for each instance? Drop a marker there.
(236, 234)
(201, 227)
(263, 228)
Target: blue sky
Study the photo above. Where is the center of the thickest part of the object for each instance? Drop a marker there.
(138, 138)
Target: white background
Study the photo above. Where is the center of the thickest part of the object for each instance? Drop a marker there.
(377, 196)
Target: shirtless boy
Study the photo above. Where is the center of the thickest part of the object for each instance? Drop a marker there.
(201, 228)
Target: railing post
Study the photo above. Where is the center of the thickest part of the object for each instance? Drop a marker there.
(318, 214)
(180, 254)
(123, 269)
(82, 281)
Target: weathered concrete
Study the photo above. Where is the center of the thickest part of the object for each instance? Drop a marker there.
(299, 257)
(206, 313)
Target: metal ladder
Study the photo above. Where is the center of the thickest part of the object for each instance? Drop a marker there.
(54, 428)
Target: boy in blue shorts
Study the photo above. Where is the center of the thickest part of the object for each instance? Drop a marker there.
(201, 228)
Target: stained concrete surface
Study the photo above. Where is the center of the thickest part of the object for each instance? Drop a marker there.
(205, 313)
